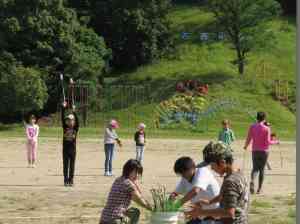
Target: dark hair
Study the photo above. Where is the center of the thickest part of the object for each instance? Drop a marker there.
(183, 164)
(261, 116)
(132, 165)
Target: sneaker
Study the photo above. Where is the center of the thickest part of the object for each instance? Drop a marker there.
(33, 166)
(106, 174)
(110, 174)
(71, 183)
(66, 183)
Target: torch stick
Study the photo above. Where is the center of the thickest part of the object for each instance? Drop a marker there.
(72, 89)
(62, 85)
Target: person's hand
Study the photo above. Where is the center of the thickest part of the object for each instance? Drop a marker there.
(64, 104)
(149, 206)
(194, 213)
(173, 196)
(119, 142)
(74, 108)
(203, 202)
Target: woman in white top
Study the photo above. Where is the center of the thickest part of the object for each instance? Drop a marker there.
(110, 138)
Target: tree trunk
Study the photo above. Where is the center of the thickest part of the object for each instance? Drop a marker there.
(241, 66)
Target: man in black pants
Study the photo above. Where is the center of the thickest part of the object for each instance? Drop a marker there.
(70, 129)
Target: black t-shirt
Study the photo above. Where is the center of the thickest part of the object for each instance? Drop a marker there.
(69, 134)
(139, 138)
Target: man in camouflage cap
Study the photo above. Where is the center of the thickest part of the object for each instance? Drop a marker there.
(234, 194)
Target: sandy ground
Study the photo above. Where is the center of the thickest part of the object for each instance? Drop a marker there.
(38, 196)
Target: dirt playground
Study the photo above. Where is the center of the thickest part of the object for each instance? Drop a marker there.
(37, 195)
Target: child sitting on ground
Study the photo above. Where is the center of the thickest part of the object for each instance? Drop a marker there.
(226, 135)
(140, 141)
(123, 191)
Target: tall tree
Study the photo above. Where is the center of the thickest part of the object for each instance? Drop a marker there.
(21, 89)
(244, 22)
(137, 31)
(47, 35)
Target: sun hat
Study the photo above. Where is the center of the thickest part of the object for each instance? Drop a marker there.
(216, 150)
(142, 126)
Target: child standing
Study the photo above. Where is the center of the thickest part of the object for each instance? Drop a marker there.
(124, 190)
(110, 138)
(32, 133)
(226, 135)
(70, 126)
(140, 141)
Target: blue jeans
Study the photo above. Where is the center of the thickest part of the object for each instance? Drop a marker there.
(140, 153)
(109, 154)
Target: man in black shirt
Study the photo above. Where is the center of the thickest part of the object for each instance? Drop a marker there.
(70, 126)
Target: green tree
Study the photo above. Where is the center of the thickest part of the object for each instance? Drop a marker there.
(48, 36)
(138, 32)
(245, 23)
(22, 89)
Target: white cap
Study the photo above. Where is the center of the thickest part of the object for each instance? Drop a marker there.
(142, 125)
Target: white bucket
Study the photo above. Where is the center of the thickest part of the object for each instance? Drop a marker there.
(165, 217)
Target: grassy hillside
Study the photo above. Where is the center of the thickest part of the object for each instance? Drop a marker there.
(209, 63)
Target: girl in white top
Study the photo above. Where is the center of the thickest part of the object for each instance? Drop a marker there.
(32, 133)
(110, 138)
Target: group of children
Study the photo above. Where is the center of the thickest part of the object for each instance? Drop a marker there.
(70, 125)
(211, 203)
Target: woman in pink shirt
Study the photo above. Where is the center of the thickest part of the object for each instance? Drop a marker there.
(260, 136)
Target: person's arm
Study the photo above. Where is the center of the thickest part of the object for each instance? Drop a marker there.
(190, 195)
(63, 122)
(137, 198)
(232, 136)
(215, 213)
(27, 133)
(76, 119)
(249, 138)
(214, 200)
(270, 140)
(37, 131)
(136, 136)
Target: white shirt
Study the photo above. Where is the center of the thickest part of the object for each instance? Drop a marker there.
(110, 136)
(205, 180)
